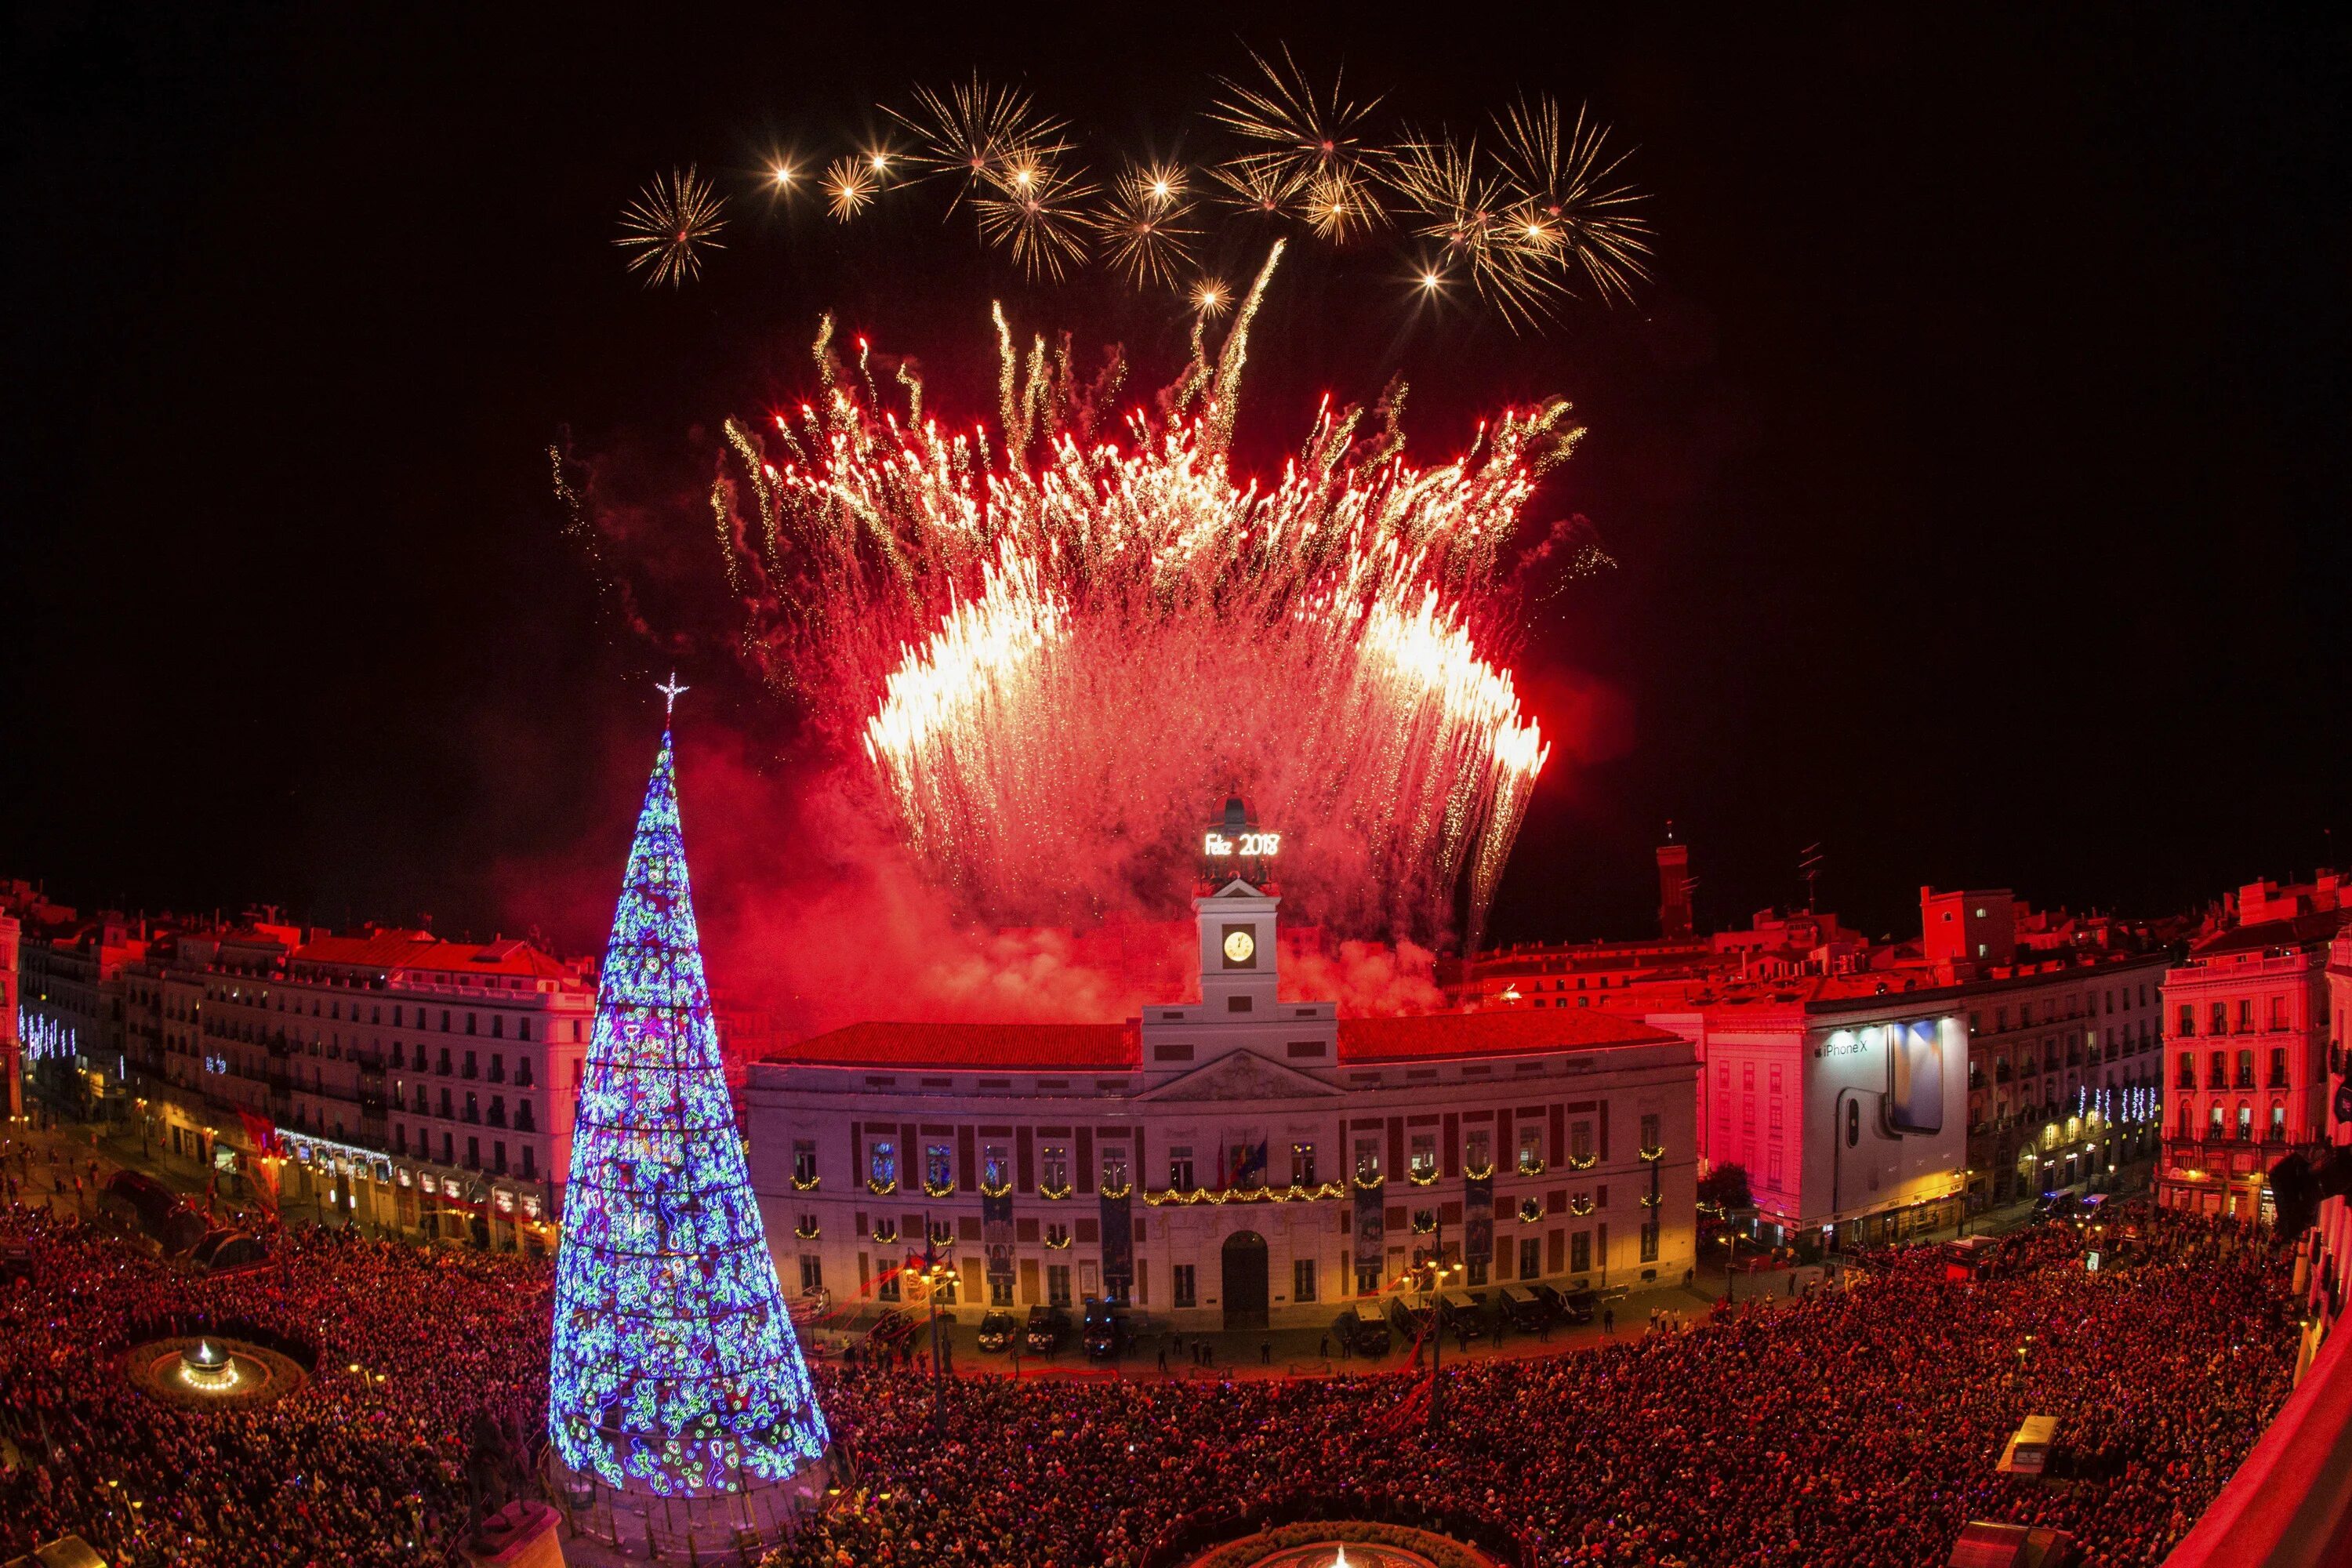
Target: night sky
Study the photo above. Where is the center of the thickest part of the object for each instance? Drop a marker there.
(1974, 464)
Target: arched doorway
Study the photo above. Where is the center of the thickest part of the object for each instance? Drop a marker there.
(1245, 1293)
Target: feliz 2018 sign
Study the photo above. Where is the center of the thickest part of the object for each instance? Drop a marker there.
(1250, 846)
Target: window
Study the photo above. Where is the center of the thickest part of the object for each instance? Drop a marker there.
(2278, 1121)
(530, 1160)
(1057, 1234)
(2245, 1070)
(1531, 1160)
(1422, 1160)
(497, 1111)
(1181, 1283)
(1530, 1257)
(1368, 1160)
(1057, 1168)
(1580, 1142)
(1302, 1172)
(2188, 1075)
(2278, 1067)
(939, 1168)
(2217, 1070)
(473, 1154)
(473, 1107)
(1180, 1176)
(1114, 1169)
(1478, 1152)
(2217, 1018)
(1302, 1279)
(882, 1165)
(887, 1288)
(1650, 1239)
(522, 1072)
(444, 1100)
(804, 1162)
(995, 1167)
(1579, 1253)
(497, 1154)
(470, 1069)
(1000, 1289)
(2245, 1123)
(1058, 1284)
(497, 1067)
(1650, 1121)
(2217, 1125)
(812, 1274)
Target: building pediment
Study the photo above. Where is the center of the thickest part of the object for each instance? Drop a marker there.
(1243, 1075)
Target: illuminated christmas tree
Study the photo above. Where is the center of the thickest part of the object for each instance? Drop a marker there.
(675, 1370)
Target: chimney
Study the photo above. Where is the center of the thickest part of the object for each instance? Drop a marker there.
(1673, 888)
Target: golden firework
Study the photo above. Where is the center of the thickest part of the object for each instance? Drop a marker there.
(973, 126)
(1268, 190)
(1468, 212)
(670, 225)
(1145, 235)
(1568, 205)
(1036, 213)
(851, 184)
(1301, 138)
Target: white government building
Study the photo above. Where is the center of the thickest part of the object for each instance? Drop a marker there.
(1238, 1161)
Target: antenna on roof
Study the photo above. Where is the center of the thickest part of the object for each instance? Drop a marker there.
(1809, 866)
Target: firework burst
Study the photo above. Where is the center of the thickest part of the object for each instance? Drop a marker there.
(972, 128)
(851, 184)
(1046, 646)
(1036, 213)
(1570, 208)
(1462, 210)
(1145, 233)
(669, 226)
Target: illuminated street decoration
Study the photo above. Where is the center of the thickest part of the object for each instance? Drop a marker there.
(44, 1037)
(675, 1371)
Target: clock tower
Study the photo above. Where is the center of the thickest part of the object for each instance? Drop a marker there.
(1235, 909)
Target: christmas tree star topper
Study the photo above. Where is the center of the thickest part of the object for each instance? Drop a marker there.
(671, 691)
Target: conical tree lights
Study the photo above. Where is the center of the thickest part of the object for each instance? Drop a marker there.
(675, 1371)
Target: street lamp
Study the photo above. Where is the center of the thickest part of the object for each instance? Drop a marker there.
(935, 1272)
(1438, 1271)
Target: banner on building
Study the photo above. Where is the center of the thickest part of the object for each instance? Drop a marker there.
(1478, 1218)
(996, 1230)
(1371, 1232)
(1118, 1243)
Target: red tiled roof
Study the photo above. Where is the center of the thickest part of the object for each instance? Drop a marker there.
(1514, 1032)
(420, 950)
(2301, 930)
(1050, 1047)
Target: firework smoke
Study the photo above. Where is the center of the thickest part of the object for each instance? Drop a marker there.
(1046, 649)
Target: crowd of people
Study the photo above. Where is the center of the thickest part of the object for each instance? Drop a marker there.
(1857, 1425)
(366, 1464)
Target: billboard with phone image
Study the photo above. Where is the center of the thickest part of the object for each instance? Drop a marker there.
(1914, 1057)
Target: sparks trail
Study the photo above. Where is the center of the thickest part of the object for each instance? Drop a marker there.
(1043, 647)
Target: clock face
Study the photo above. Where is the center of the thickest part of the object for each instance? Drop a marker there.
(1239, 946)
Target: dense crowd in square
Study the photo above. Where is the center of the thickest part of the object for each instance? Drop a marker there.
(1857, 1425)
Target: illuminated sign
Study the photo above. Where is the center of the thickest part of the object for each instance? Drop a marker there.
(1255, 845)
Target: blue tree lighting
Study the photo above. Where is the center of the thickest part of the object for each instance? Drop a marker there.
(675, 1370)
